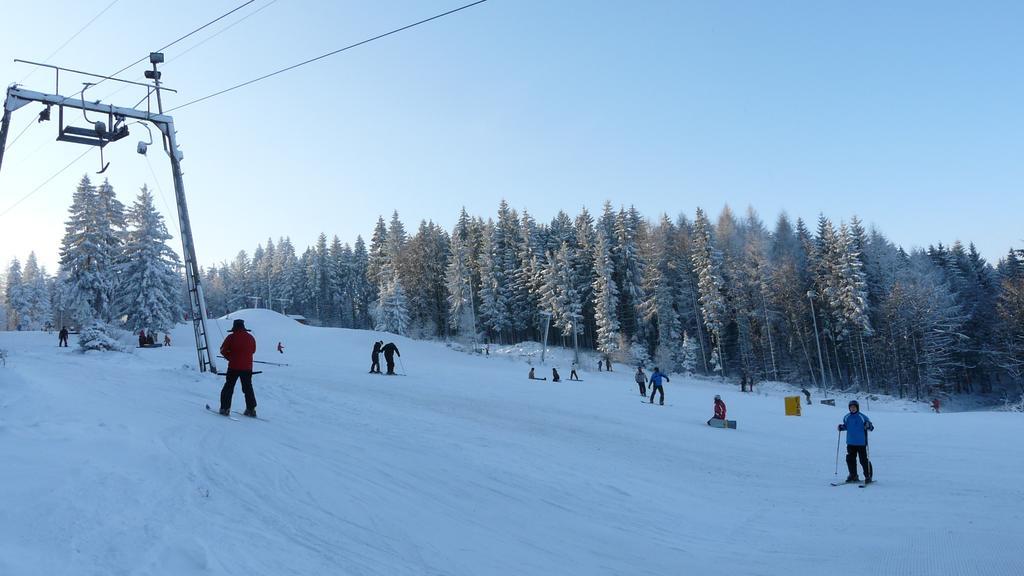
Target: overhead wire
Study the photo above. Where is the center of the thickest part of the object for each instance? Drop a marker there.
(32, 122)
(45, 182)
(68, 41)
(211, 22)
(322, 56)
(193, 47)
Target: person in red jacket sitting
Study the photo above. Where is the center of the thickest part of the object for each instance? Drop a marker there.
(719, 408)
(238, 348)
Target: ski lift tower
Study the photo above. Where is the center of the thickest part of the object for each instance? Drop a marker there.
(99, 133)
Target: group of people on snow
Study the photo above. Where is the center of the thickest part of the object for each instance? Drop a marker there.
(389, 350)
(148, 340)
(555, 376)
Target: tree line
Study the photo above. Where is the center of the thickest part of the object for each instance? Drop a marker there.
(115, 269)
(840, 306)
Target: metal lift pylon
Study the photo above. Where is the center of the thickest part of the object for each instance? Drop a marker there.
(18, 97)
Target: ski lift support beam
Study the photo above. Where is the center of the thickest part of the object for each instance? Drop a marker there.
(19, 97)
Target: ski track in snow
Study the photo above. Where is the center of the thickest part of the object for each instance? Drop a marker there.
(465, 467)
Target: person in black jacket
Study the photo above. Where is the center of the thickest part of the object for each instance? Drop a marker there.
(390, 350)
(554, 375)
(375, 357)
(62, 337)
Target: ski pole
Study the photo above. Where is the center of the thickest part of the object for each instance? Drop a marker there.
(403, 366)
(839, 437)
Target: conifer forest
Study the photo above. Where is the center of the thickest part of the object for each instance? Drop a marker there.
(827, 303)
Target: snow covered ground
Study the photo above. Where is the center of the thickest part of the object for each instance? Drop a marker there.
(111, 466)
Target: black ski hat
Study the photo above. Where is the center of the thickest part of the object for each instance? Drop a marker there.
(239, 325)
(855, 403)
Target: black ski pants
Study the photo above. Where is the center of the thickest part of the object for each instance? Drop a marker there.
(852, 454)
(390, 360)
(375, 366)
(656, 388)
(643, 389)
(229, 389)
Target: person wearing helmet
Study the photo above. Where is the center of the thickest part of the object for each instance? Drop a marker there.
(719, 408)
(857, 426)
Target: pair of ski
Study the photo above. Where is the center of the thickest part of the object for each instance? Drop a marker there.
(858, 483)
(216, 413)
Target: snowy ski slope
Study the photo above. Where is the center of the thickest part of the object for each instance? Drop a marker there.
(111, 466)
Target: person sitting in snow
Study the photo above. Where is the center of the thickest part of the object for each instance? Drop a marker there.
(857, 426)
(719, 408)
(554, 375)
(533, 375)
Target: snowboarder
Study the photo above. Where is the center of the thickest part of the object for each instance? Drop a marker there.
(857, 426)
(238, 348)
(554, 375)
(656, 378)
(719, 408)
(167, 339)
(641, 380)
(608, 364)
(375, 357)
(142, 338)
(533, 376)
(573, 375)
(936, 405)
(808, 394)
(280, 348)
(389, 351)
(62, 337)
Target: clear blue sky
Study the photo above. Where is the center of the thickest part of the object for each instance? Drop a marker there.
(907, 114)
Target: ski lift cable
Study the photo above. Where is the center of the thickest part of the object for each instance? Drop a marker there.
(196, 45)
(211, 22)
(159, 188)
(47, 181)
(73, 36)
(322, 56)
(31, 122)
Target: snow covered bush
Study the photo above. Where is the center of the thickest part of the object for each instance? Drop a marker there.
(100, 336)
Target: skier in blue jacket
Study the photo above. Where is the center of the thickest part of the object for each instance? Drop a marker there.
(656, 378)
(857, 426)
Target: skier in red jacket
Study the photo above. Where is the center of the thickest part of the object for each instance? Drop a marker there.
(238, 348)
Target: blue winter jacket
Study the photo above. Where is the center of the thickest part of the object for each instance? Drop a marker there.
(855, 423)
(656, 378)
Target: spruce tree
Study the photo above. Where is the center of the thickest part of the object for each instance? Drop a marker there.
(149, 289)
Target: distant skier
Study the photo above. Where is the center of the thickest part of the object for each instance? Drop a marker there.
(280, 348)
(719, 408)
(533, 376)
(656, 378)
(238, 348)
(600, 365)
(390, 350)
(641, 380)
(167, 339)
(608, 364)
(857, 426)
(375, 357)
(62, 337)
(554, 375)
